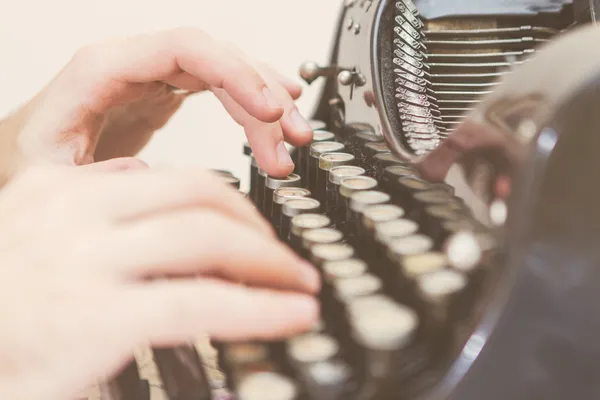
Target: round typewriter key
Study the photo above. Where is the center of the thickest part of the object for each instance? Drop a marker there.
(322, 253)
(302, 223)
(440, 286)
(358, 203)
(442, 294)
(444, 187)
(336, 176)
(349, 268)
(319, 135)
(339, 270)
(328, 161)
(434, 221)
(388, 231)
(362, 200)
(404, 188)
(356, 144)
(348, 187)
(316, 124)
(417, 265)
(260, 191)
(381, 161)
(391, 174)
(316, 150)
(380, 213)
(463, 251)
(294, 207)
(386, 338)
(328, 380)
(346, 290)
(267, 386)
(272, 184)
(314, 237)
(312, 348)
(280, 196)
(432, 197)
(410, 245)
(373, 148)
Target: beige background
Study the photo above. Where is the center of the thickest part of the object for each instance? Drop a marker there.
(37, 37)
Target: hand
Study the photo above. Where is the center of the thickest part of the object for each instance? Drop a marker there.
(80, 254)
(112, 96)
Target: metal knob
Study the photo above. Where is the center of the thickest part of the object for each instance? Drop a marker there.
(311, 71)
(348, 78)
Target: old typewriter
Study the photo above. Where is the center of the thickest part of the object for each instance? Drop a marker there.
(449, 200)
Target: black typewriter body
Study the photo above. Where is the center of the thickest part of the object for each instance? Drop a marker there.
(499, 118)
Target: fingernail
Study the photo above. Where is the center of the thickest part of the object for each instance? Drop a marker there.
(311, 277)
(270, 99)
(299, 122)
(283, 156)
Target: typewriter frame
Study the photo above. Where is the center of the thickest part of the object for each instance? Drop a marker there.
(531, 301)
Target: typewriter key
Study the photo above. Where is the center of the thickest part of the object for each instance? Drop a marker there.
(302, 153)
(267, 386)
(317, 125)
(388, 231)
(313, 237)
(441, 293)
(404, 188)
(380, 213)
(410, 245)
(328, 380)
(348, 187)
(294, 207)
(349, 289)
(322, 253)
(312, 348)
(445, 188)
(383, 160)
(384, 333)
(260, 191)
(182, 373)
(336, 175)
(359, 202)
(303, 223)
(417, 265)
(316, 150)
(463, 251)
(280, 196)
(392, 173)
(373, 148)
(272, 184)
(326, 163)
(349, 268)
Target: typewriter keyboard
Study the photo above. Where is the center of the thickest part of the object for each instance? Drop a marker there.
(402, 261)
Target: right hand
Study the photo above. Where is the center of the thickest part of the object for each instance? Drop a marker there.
(80, 251)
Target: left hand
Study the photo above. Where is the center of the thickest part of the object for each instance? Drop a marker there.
(112, 96)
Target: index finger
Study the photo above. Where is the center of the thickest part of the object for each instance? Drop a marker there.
(114, 68)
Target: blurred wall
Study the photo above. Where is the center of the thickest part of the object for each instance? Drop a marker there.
(37, 37)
